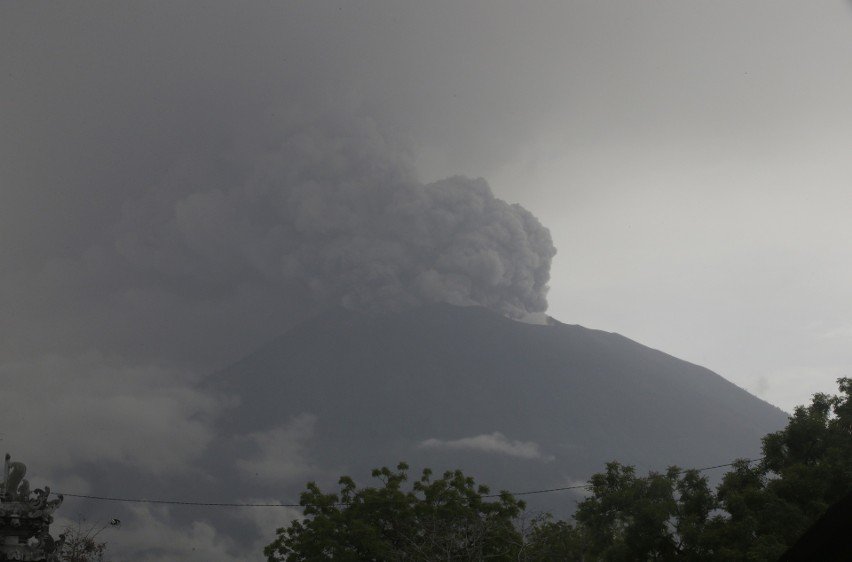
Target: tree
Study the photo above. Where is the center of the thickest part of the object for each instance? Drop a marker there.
(756, 513)
(811, 458)
(549, 539)
(658, 517)
(806, 467)
(450, 518)
(80, 544)
(743, 530)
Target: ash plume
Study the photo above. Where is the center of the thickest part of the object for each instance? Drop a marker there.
(334, 214)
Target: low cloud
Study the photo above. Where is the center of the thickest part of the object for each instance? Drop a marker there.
(151, 534)
(91, 408)
(491, 443)
(280, 454)
(268, 520)
(158, 534)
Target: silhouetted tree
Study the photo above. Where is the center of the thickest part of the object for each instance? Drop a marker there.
(80, 542)
(445, 519)
(656, 517)
(806, 467)
(757, 511)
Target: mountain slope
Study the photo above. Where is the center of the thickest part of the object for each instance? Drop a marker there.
(520, 406)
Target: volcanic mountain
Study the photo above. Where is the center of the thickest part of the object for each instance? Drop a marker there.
(518, 406)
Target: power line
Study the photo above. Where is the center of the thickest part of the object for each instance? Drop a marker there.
(178, 502)
(340, 504)
(586, 485)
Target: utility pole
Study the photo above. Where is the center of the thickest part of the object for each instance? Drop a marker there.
(25, 518)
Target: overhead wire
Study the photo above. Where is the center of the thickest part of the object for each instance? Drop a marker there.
(342, 504)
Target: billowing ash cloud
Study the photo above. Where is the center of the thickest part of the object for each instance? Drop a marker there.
(333, 212)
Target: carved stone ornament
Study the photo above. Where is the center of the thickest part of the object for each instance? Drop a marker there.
(25, 517)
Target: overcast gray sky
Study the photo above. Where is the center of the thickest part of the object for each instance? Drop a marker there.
(691, 161)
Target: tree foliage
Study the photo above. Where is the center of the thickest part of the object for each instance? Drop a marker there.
(755, 513)
(450, 518)
(80, 543)
(658, 517)
(806, 467)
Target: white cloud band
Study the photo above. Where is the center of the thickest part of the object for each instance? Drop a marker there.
(490, 443)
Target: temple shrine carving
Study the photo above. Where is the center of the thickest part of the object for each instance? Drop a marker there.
(25, 517)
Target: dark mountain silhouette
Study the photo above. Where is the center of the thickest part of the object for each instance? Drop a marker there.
(518, 406)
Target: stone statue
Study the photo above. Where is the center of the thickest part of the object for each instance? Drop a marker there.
(25, 517)
(13, 476)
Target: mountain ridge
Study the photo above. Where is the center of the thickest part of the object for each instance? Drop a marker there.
(380, 386)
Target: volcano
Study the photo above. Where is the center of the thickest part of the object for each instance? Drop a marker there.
(519, 406)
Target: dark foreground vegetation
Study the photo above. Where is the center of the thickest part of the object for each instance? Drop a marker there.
(758, 510)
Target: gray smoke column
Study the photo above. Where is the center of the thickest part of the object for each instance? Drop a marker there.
(332, 211)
